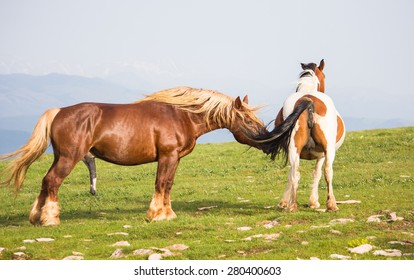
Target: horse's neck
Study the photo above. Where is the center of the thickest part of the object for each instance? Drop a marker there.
(307, 84)
(307, 87)
(201, 126)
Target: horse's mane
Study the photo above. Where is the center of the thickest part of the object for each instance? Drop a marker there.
(308, 81)
(216, 106)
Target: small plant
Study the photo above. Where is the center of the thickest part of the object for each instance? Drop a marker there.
(357, 242)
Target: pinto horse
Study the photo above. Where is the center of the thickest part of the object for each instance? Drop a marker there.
(162, 127)
(316, 135)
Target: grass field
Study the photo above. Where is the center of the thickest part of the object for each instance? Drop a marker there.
(241, 188)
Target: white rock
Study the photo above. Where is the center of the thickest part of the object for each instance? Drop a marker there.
(394, 217)
(334, 231)
(374, 218)
(315, 227)
(244, 228)
(362, 249)
(178, 247)
(351, 201)
(401, 242)
(118, 233)
(339, 257)
(271, 224)
(264, 236)
(127, 226)
(117, 254)
(142, 252)
(73, 258)
(29, 241)
(206, 208)
(253, 236)
(19, 256)
(2, 249)
(341, 221)
(121, 244)
(271, 236)
(77, 253)
(155, 257)
(388, 253)
(44, 239)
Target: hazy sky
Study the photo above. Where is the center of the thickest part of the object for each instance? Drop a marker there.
(233, 46)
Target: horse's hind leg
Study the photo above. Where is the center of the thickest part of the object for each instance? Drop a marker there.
(317, 174)
(331, 201)
(89, 161)
(45, 210)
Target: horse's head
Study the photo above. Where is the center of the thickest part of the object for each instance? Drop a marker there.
(245, 123)
(318, 71)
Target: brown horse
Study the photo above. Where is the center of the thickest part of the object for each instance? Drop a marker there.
(89, 159)
(316, 135)
(163, 127)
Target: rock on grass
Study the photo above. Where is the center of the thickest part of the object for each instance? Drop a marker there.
(19, 256)
(388, 253)
(121, 244)
(362, 249)
(44, 239)
(117, 254)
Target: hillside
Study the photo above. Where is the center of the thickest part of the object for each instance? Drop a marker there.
(221, 189)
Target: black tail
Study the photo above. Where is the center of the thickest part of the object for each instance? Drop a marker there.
(278, 139)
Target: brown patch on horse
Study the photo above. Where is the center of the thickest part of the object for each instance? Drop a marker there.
(321, 78)
(302, 135)
(279, 118)
(340, 130)
(319, 137)
(320, 107)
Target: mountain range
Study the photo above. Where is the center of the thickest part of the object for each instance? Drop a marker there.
(23, 98)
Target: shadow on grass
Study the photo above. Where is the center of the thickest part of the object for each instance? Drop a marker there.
(139, 208)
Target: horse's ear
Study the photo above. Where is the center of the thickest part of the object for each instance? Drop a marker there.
(238, 103)
(321, 65)
(303, 66)
(246, 99)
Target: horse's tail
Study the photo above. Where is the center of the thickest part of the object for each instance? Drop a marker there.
(278, 139)
(39, 141)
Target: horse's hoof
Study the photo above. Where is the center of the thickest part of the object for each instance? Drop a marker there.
(282, 205)
(332, 209)
(292, 208)
(314, 205)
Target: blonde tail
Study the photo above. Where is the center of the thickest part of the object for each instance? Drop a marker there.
(39, 141)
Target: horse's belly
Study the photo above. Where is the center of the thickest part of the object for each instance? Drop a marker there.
(125, 151)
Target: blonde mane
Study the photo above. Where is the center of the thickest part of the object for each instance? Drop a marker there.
(216, 106)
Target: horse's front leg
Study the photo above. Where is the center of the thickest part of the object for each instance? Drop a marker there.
(160, 207)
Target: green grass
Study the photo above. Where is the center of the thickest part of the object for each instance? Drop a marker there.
(375, 167)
